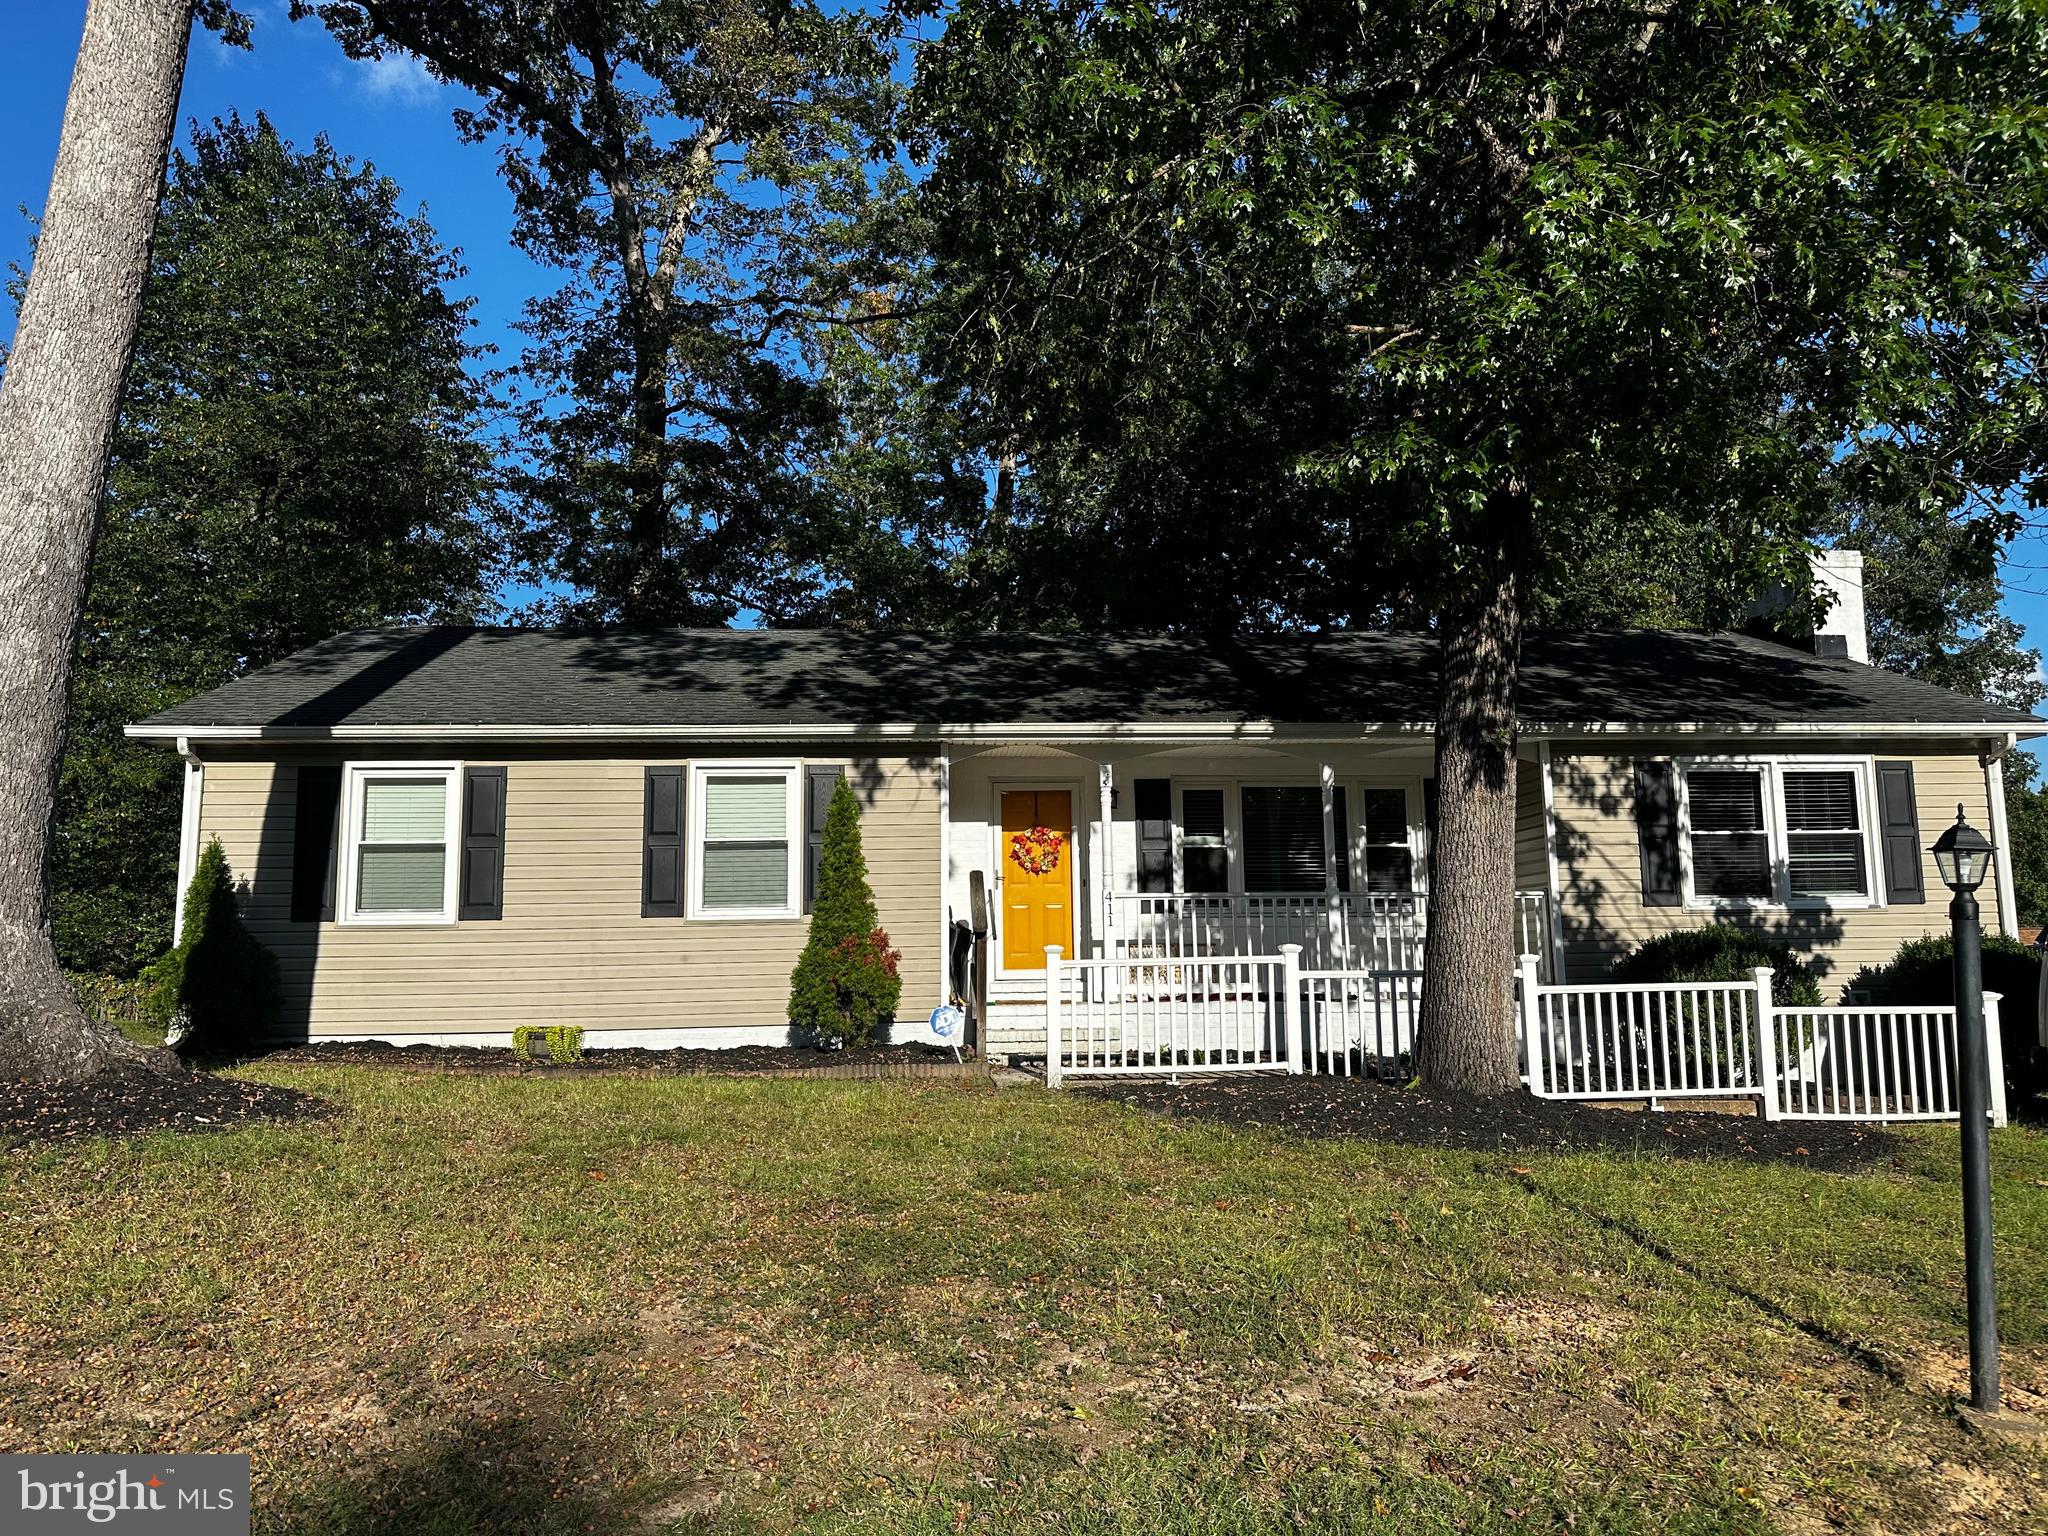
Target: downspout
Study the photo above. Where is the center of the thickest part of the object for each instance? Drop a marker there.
(945, 873)
(1994, 794)
(188, 834)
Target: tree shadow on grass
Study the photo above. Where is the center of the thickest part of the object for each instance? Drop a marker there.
(1852, 1351)
(516, 1475)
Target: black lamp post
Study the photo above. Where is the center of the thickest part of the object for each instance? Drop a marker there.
(1963, 855)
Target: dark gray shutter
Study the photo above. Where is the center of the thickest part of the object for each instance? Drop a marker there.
(317, 816)
(1657, 832)
(483, 845)
(818, 786)
(1898, 818)
(661, 864)
(1153, 800)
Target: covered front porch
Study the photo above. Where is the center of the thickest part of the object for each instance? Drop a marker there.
(1185, 852)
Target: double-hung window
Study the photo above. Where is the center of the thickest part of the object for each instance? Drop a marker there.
(1389, 858)
(1204, 841)
(746, 835)
(1777, 832)
(400, 825)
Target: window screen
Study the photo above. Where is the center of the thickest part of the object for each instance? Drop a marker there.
(1823, 838)
(1731, 853)
(746, 842)
(402, 851)
(1204, 853)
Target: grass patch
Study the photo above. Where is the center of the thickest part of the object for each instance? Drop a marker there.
(566, 1304)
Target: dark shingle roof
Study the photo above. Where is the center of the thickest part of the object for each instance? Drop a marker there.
(450, 676)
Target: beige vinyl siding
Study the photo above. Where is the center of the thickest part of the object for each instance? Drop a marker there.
(572, 947)
(1532, 865)
(1601, 879)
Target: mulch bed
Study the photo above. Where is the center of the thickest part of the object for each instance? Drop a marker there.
(1375, 1111)
(860, 1061)
(37, 1114)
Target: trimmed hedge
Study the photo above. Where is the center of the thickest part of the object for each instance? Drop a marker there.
(1721, 952)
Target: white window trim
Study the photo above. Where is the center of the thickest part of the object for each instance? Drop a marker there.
(348, 855)
(1776, 840)
(791, 774)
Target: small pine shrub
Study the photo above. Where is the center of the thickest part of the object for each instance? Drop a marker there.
(1721, 952)
(219, 978)
(847, 981)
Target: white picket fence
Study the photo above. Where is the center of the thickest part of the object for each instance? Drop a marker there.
(1660, 1042)
(1359, 1023)
(1135, 1017)
(1682, 1040)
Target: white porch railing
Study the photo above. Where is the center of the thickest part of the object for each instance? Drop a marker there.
(1875, 1063)
(1661, 1041)
(1730, 1039)
(1148, 1017)
(1353, 930)
(1608, 1041)
(1360, 1024)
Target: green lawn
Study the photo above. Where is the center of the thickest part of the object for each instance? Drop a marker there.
(567, 1304)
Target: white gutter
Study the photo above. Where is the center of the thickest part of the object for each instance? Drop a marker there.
(188, 834)
(2001, 842)
(1163, 732)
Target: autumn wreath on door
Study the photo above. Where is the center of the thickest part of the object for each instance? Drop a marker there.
(1036, 852)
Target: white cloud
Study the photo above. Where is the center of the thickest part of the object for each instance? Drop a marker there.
(398, 77)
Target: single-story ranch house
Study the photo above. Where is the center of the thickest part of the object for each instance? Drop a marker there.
(448, 832)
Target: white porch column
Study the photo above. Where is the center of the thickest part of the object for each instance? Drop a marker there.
(1333, 911)
(1105, 860)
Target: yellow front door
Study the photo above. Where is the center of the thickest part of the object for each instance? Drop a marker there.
(1038, 877)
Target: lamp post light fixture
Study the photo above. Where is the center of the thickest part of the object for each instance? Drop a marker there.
(1963, 855)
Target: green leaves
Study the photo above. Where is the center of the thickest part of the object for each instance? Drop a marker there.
(295, 456)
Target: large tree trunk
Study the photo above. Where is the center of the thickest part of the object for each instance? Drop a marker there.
(58, 406)
(1465, 1038)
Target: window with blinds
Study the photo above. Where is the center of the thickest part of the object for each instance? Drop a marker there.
(1389, 862)
(744, 858)
(1731, 847)
(1283, 838)
(1824, 845)
(401, 844)
(1778, 831)
(1204, 845)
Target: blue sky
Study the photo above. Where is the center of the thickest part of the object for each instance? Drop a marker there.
(393, 115)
